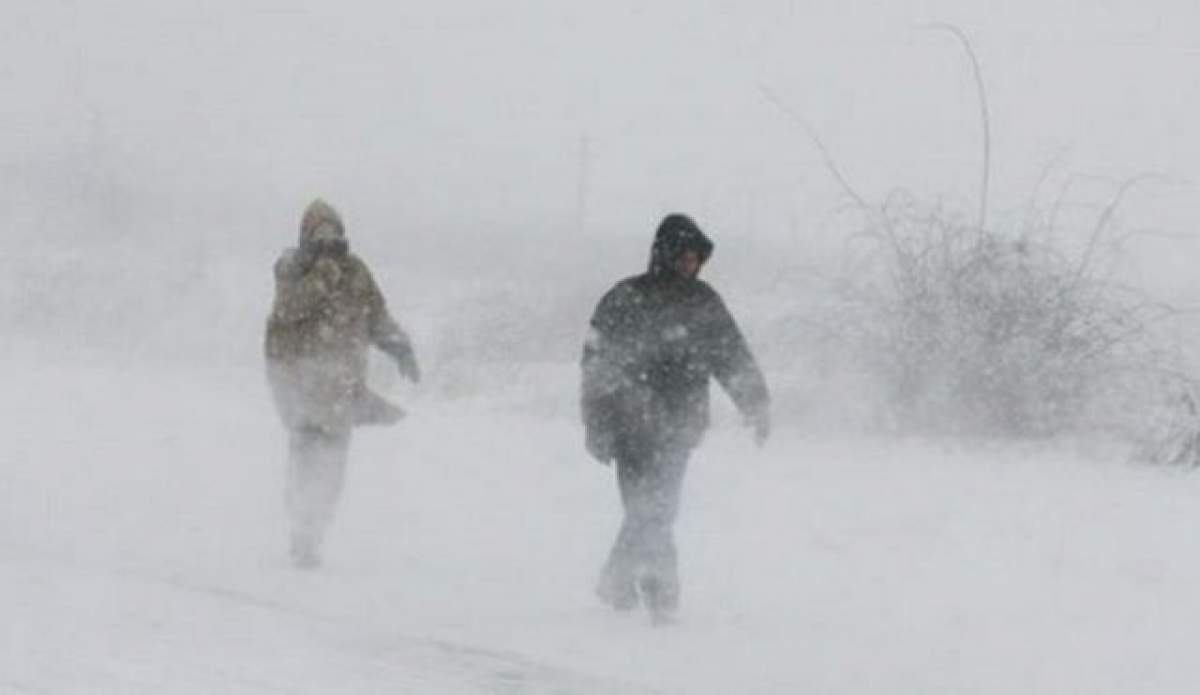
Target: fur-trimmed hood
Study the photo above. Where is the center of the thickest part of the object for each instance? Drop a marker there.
(320, 221)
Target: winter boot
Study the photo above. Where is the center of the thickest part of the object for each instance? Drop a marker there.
(661, 597)
(305, 554)
(617, 590)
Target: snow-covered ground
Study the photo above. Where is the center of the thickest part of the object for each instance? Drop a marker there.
(499, 166)
(142, 544)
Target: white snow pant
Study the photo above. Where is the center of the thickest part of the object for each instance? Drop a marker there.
(650, 480)
(316, 471)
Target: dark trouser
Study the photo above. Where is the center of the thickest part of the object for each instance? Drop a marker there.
(650, 479)
(316, 470)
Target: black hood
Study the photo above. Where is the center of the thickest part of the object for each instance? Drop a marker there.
(676, 234)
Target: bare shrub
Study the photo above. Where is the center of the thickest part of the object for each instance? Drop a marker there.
(974, 331)
(970, 329)
(1170, 435)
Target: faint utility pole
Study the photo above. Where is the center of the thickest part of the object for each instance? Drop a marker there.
(583, 183)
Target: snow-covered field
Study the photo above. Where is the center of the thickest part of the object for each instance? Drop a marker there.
(142, 544)
(499, 166)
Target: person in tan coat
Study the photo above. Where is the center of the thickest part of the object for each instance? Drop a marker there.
(326, 313)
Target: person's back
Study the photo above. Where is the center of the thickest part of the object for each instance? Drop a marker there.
(655, 341)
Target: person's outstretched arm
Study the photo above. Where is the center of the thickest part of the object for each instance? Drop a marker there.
(734, 367)
(386, 333)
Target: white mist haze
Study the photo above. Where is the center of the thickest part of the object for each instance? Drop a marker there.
(448, 134)
(499, 166)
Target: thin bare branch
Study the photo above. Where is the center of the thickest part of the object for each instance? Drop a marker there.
(1105, 218)
(1032, 205)
(830, 164)
(983, 111)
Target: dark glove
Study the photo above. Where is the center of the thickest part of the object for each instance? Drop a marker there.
(407, 364)
(761, 422)
(599, 445)
(396, 346)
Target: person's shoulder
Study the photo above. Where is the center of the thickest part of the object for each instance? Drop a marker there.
(704, 294)
(288, 263)
(705, 290)
(631, 283)
(620, 298)
(356, 263)
(354, 266)
(626, 289)
(359, 272)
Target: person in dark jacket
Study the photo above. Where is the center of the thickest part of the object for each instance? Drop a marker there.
(326, 313)
(654, 342)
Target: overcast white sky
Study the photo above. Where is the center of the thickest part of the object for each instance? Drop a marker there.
(465, 116)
